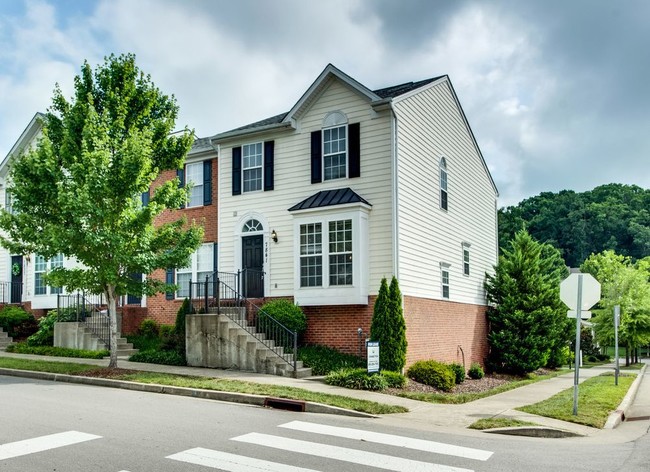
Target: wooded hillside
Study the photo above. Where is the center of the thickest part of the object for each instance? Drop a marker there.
(612, 216)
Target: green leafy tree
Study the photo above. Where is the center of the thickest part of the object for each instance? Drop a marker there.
(78, 193)
(624, 284)
(388, 327)
(526, 315)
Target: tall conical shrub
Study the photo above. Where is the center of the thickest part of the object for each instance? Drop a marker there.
(389, 328)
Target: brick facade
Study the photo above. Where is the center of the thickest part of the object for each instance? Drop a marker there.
(445, 331)
(160, 309)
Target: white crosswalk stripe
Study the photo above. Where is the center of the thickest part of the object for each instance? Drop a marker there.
(231, 462)
(238, 463)
(390, 440)
(43, 443)
(371, 459)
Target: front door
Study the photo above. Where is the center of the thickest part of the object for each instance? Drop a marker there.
(16, 279)
(134, 299)
(253, 266)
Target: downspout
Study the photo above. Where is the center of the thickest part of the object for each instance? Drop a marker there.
(395, 170)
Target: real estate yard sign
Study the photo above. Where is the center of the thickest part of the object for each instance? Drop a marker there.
(372, 347)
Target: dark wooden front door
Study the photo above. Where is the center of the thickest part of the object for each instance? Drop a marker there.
(253, 266)
(16, 279)
(134, 299)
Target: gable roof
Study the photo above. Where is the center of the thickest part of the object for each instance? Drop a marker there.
(24, 140)
(340, 196)
(376, 97)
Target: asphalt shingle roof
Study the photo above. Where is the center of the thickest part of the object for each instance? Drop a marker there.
(324, 198)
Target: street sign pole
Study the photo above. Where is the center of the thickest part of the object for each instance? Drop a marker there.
(617, 320)
(576, 376)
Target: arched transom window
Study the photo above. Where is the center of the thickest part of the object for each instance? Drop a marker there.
(252, 226)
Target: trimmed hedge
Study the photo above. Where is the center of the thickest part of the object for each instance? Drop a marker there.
(284, 311)
(159, 357)
(16, 322)
(394, 379)
(433, 373)
(459, 372)
(24, 348)
(358, 379)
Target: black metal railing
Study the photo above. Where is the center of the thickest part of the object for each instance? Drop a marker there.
(11, 292)
(222, 293)
(88, 309)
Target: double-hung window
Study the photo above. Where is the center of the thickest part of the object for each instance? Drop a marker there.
(200, 266)
(41, 267)
(194, 175)
(335, 151)
(311, 255)
(465, 258)
(335, 253)
(444, 280)
(444, 195)
(252, 167)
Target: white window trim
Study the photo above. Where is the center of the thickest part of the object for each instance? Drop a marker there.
(244, 169)
(347, 150)
(466, 263)
(355, 294)
(444, 268)
(193, 270)
(195, 184)
(443, 170)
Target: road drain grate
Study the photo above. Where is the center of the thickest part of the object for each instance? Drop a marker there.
(638, 418)
(284, 404)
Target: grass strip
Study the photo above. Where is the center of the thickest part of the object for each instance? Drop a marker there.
(208, 383)
(491, 423)
(457, 398)
(597, 398)
(23, 348)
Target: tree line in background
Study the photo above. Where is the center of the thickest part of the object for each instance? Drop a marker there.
(605, 232)
(610, 217)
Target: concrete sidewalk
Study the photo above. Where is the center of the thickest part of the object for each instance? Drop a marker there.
(422, 415)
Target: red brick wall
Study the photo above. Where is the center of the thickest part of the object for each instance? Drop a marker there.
(443, 330)
(160, 309)
(132, 316)
(38, 313)
(336, 325)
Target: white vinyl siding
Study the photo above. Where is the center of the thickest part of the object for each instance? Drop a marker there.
(292, 184)
(429, 123)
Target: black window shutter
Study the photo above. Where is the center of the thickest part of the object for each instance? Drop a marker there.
(169, 279)
(180, 173)
(207, 182)
(236, 170)
(145, 198)
(316, 157)
(215, 254)
(268, 164)
(354, 150)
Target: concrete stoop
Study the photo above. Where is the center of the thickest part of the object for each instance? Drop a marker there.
(216, 340)
(77, 335)
(5, 340)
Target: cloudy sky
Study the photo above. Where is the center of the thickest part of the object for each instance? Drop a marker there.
(555, 91)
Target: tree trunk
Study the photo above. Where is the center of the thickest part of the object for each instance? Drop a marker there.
(112, 324)
(627, 355)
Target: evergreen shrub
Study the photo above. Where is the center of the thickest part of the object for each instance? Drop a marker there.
(433, 373)
(324, 359)
(476, 371)
(16, 322)
(459, 372)
(358, 379)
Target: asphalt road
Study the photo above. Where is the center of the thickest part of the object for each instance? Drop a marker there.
(50, 426)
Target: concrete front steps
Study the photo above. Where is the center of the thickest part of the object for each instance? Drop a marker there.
(225, 341)
(5, 340)
(77, 335)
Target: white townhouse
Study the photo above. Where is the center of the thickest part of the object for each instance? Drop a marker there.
(352, 185)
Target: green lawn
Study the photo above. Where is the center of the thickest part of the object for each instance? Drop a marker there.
(597, 398)
(490, 423)
(210, 383)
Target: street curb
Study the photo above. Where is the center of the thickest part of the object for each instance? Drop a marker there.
(618, 416)
(232, 397)
(534, 432)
